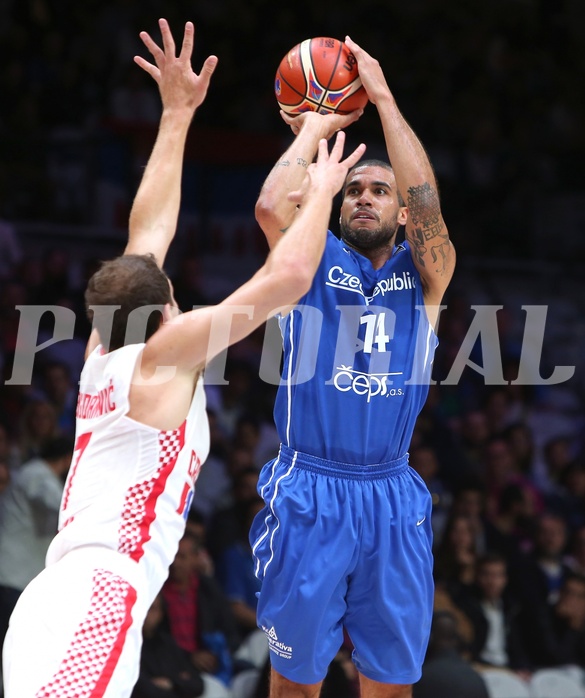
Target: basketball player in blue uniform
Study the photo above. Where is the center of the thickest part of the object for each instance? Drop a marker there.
(344, 539)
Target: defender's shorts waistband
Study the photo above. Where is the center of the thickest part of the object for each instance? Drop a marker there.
(349, 471)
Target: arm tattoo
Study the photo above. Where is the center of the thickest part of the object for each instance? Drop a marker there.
(425, 213)
(302, 162)
(284, 163)
(424, 208)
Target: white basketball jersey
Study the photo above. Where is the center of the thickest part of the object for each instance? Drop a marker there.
(130, 485)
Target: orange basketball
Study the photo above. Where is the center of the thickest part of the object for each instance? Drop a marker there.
(321, 75)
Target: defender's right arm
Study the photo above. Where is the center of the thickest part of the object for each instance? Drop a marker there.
(274, 211)
(193, 339)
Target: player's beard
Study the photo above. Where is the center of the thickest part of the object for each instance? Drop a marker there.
(368, 239)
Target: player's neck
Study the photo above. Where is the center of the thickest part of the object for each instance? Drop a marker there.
(378, 256)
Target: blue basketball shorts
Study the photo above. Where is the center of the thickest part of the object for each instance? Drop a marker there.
(341, 545)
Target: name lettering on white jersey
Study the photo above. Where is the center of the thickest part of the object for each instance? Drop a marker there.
(90, 405)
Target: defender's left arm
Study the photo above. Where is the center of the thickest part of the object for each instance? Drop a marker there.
(154, 214)
(155, 210)
(432, 250)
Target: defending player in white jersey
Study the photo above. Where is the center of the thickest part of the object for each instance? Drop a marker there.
(142, 432)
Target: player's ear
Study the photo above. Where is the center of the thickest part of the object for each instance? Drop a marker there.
(402, 215)
(169, 312)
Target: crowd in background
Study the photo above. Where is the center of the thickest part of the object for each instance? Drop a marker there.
(492, 90)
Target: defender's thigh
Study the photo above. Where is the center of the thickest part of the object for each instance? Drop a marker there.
(73, 629)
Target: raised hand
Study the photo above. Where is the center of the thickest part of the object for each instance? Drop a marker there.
(328, 170)
(370, 71)
(180, 87)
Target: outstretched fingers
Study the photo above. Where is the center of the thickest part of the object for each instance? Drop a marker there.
(338, 145)
(152, 70)
(206, 73)
(188, 39)
(167, 37)
(337, 151)
(157, 54)
(208, 67)
(354, 157)
(322, 151)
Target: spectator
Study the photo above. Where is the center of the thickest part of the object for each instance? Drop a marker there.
(444, 602)
(8, 450)
(38, 424)
(556, 635)
(197, 529)
(540, 573)
(247, 436)
(500, 469)
(230, 401)
(571, 499)
(474, 434)
(495, 616)
(456, 555)
(29, 522)
(445, 673)
(165, 669)
(200, 619)
(521, 441)
(4, 483)
(514, 521)
(558, 456)
(575, 559)
(13, 401)
(503, 469)
(69, 356)
(469, 500)
(499, 409)
(434, 429)
(235, 570)
(224, 526)
(61, 392)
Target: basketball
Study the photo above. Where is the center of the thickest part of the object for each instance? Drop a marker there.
(320, 75)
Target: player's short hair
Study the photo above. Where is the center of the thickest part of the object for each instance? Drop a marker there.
(131, 281)
(371, 162)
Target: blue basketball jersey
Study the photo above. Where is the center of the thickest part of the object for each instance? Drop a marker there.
(358, 351)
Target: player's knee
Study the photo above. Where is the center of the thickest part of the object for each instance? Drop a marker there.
(375, 689)
(281, 687)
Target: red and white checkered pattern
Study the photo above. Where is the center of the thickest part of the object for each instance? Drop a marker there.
(170, 443)
(138, 509)
(96, 646)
